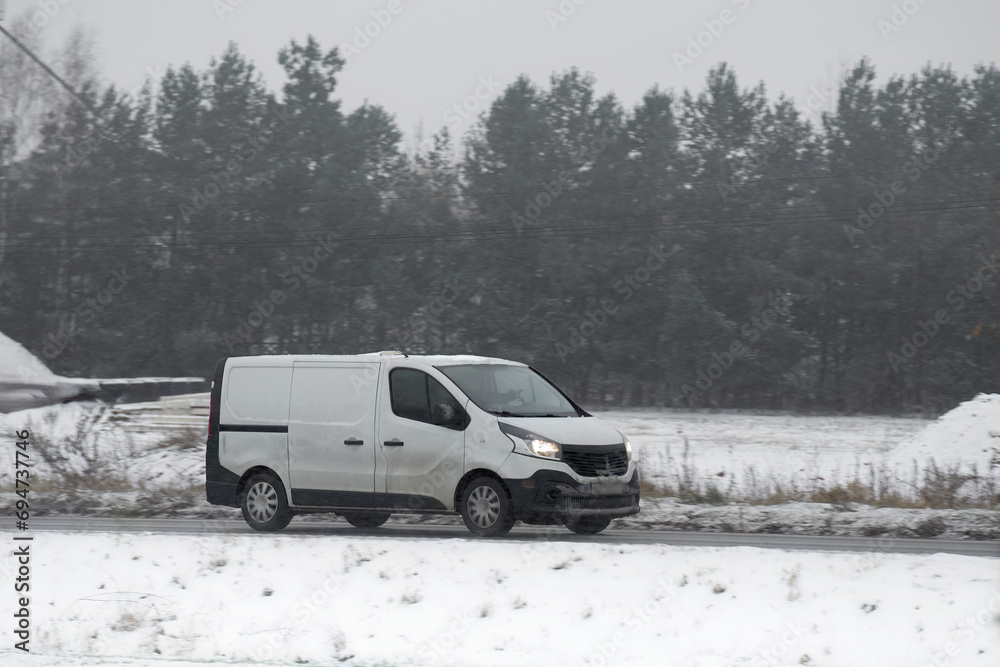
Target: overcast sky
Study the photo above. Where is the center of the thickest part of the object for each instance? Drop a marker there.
(433, 54)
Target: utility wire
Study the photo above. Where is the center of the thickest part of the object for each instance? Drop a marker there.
(747, 183)
(50, 71)
(808, 209)
(477, 235)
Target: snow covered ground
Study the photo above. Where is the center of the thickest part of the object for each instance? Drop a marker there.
(746, 454)
(157, 454)
(252, 599)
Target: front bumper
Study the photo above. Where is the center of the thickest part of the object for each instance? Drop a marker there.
(550, 494)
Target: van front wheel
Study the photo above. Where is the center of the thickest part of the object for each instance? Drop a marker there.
(486, 508)
(263, 503)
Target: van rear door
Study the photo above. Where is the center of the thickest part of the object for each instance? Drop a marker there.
(331, 434)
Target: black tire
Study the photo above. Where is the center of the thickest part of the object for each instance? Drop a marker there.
(486, 508)
(264, 505)
(587, 525)
(367, 519)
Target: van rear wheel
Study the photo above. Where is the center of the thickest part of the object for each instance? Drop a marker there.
(587, 525)
(367, 520)
(263, 502)
(486, 508)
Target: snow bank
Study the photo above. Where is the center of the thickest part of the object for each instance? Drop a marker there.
(970, 433)
(364, 600)
(87, 446)
(26, 382)
(19, 365)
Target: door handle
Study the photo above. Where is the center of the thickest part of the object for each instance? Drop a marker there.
(395, 442)
(354, 441)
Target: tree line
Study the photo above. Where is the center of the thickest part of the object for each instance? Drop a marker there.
(711, 248)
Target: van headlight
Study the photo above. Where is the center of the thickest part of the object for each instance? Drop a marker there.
(526, 442)
(628, 448)
(544, 448)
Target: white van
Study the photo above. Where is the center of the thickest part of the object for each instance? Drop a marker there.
(370, 435)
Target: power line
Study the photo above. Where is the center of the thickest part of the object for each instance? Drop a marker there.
(485, 235)
(50, 71)
(811, 209)
(749, 182)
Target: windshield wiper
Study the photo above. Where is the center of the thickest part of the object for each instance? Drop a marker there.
(505, 413)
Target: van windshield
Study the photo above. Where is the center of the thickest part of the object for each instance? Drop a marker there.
(510, 391)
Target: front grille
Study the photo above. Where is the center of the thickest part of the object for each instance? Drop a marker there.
(572, 503)
(589, 463)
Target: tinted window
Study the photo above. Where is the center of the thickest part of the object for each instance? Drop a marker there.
(416, 395)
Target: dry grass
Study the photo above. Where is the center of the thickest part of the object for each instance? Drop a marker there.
(91, 458)
(932, 486)
(184, 438)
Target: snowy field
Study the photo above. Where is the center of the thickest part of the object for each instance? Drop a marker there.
(140, 447)
(726, 442)
(253, 599)
(732, 450)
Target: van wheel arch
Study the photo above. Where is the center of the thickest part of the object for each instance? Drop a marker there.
(473, 474)
(242, 485)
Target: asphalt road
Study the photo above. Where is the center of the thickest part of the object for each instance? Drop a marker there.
(524, 533)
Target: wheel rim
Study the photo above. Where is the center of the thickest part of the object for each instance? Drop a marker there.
(484, 506)
(262, 502)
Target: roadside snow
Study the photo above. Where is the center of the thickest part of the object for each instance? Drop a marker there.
(244, 599)
(970, 433)
(849, 520)
(735, 450)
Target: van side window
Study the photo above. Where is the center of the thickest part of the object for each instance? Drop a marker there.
(416, 395)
